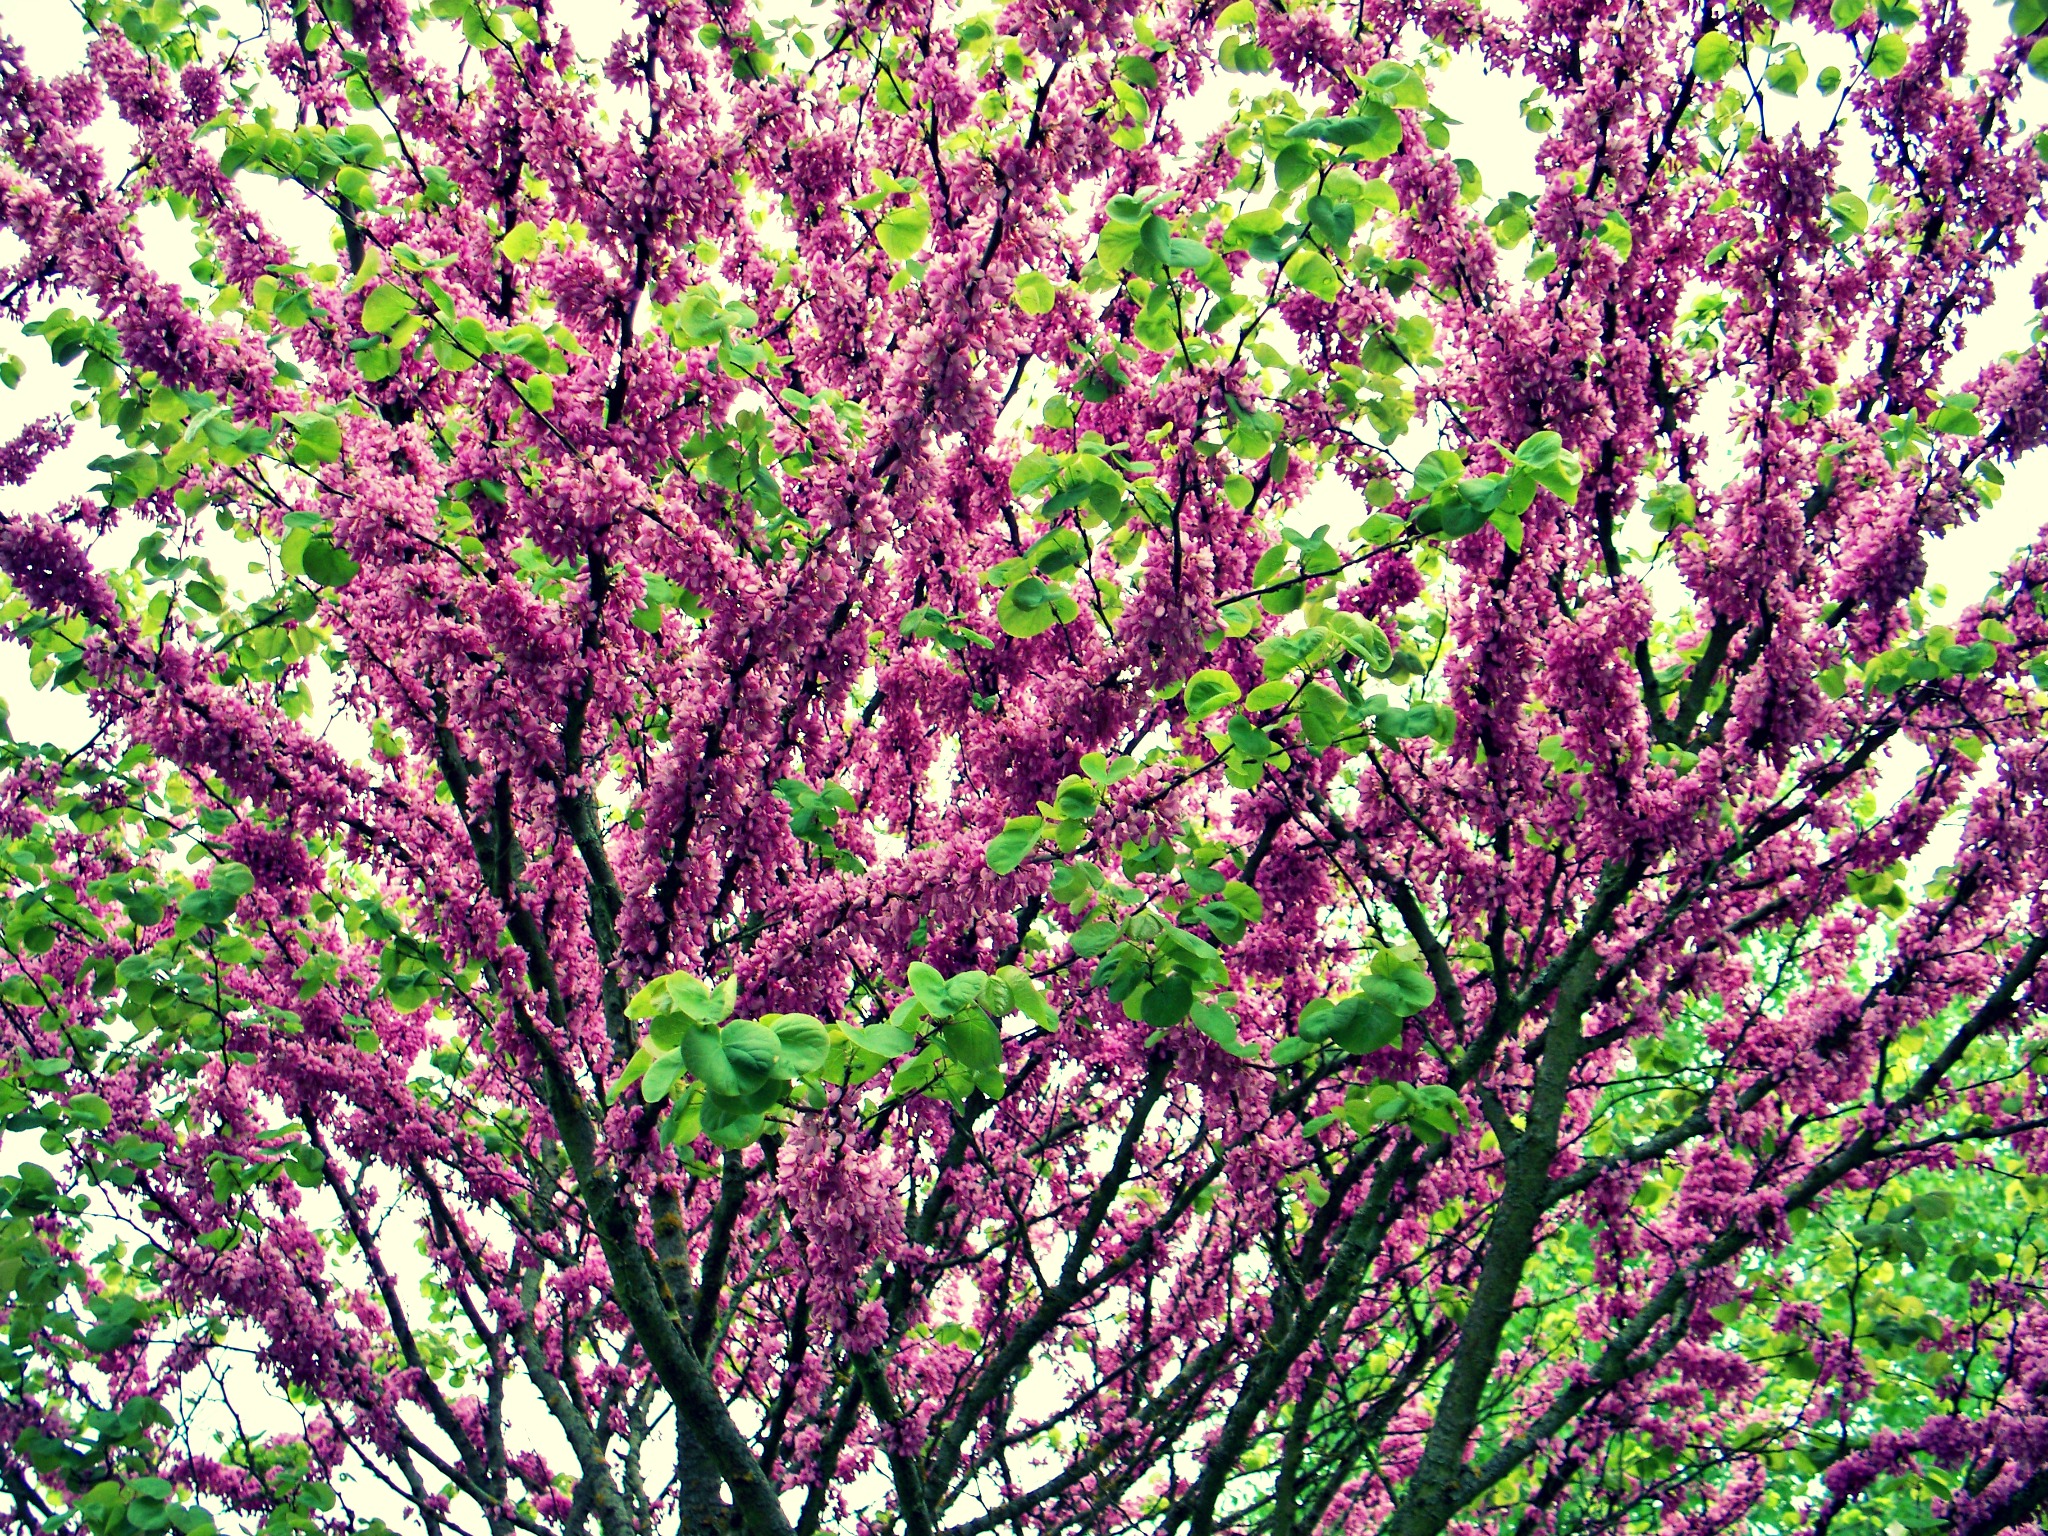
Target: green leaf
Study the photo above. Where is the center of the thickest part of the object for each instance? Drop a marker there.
(1308, 269)
(704, 1054)
(1934, 1205)
(521, 242)
(538, 392)
(1889, 672)
(1168, 1001)
(1155, 235)
(1221, 1026)
(210, 906)
(801, 1044)
(996, 1000)
(327, 563)
(635, 1070)
(1438, 468)
(89, 1110)
(1615, 233)
(681, 993)
(386, 305)
(1034, 472)
(752, 1050)
(1715, 56)
(1540, 450)
(1031, 607)
(972, 1041)
(458, 348)
(316, 439)
(1413, 990)
(1398, 84)
(1324, 713)
(1139, 70)
(685, 1121)
(1249, 742)
(1293, 1048)
(1092, 938)
(1373, 131)
(1956, 416)
(964, 991)
(1850, 211)
(1244, 57)
(1009, 847)
(884, 1040)
(1293, 166)
(661, 1076)
(1222, 920)
(379, 363)
(1888, 54)
(1671, 506)
(1406, 724)
(1787, 73)
(729, 1124)
(1157, 325)
(918, 1072)
(1025, 998)
(1209, 691)
(1555, 467)
(1034, 293)
(929, 987)
(902, 231)
(1076, 799)
(1117, 246)
(707, 1005)
(1333, 220)
(1359, 1025)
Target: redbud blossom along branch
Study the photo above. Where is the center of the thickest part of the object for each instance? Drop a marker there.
(790, 895)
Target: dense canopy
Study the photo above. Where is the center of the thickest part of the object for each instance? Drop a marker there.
(912, 770)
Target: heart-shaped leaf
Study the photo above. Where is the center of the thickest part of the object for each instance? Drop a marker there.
(801, 1045)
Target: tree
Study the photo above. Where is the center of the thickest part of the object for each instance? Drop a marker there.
(790, 894)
